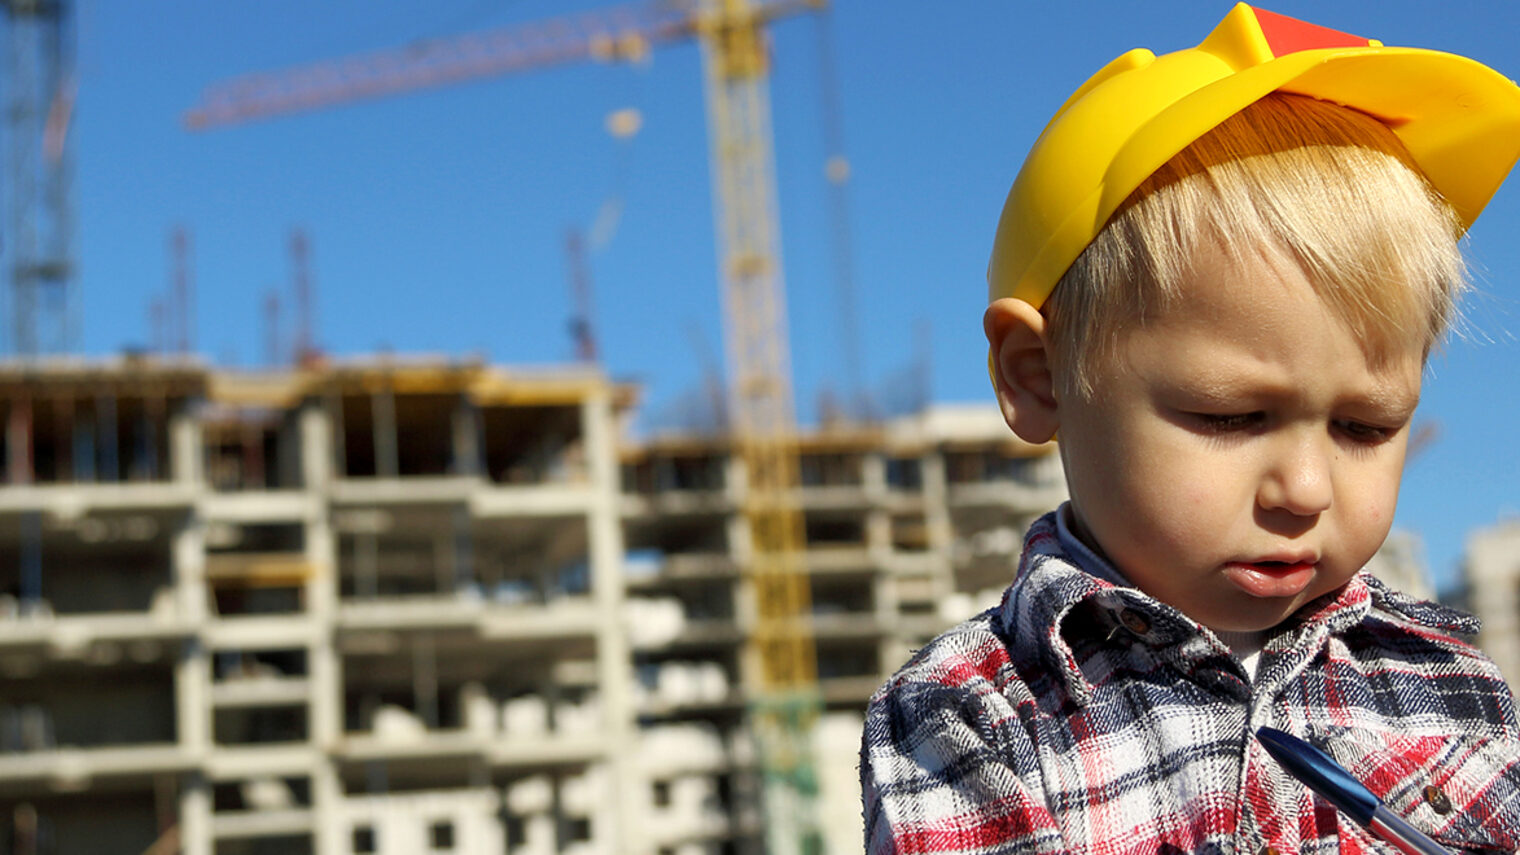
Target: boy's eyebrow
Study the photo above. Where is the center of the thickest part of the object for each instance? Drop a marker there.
(1229, 386)
(1386, 400)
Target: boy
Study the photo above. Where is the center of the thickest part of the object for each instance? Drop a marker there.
(1218, 275)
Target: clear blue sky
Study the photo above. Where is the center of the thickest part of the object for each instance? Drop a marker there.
(437, 219)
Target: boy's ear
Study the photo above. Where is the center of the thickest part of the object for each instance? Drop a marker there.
(1021, 368)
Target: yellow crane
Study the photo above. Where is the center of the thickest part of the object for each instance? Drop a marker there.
(762, 413)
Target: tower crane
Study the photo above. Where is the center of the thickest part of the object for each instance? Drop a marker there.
(37, 49)
(732, 34)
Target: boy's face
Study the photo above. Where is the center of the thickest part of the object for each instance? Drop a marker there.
(1242, 456)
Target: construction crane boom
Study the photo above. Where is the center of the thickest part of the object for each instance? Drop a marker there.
(781, 654)
(625, 33)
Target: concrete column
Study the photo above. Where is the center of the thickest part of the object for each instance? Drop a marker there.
(463, 550)
(186, 447)
(195, 816)
(109, 441)
(145, 465)
(192, 698)
(325, 674)
(18, 442)
(467, 452)
(63, 439)
(873, 474)
(878, 536)
(324, 667)
(85, 444)
(937, 518)
(1493, 573)
(330, 835)
(332, 405)
(746, 599)
(290, 456)
(884, 599)
(735, 480)
(425, 679)
(383, 411)
(188, 570)
(321, 437)
(614, 657)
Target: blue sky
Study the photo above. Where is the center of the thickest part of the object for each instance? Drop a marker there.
(437, 220)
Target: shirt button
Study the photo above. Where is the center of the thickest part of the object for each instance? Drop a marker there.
(1437, 800)
(1268, 850)
(1134, 622)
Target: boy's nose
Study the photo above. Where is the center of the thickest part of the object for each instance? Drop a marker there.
(1298, 478)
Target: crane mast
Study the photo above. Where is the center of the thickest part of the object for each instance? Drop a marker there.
(780, 654)
(763, 416)
(39, 96)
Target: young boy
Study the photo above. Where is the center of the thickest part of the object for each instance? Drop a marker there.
(1218, 276)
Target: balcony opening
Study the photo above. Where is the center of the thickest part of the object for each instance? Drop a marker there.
(823, 469)
(62, 707)
(260, 726)
(257, 568)
(252, 449)
(910, 533)
(534, 444)
(661, 472)
(96, 563)
(825, 532)
(905, 474)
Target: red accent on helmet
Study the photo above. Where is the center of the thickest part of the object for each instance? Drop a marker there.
(1287, 35)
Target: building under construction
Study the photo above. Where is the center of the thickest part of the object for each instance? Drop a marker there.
(406, 606)
(1491, 575)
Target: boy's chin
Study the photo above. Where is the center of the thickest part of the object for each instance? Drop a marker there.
(1267, 616)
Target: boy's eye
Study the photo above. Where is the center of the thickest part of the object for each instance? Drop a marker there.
(1364, 433)
(1226, 422)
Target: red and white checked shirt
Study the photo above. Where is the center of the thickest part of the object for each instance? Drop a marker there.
(1080, 716)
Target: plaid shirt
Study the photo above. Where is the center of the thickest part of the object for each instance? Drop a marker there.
(1081, 716)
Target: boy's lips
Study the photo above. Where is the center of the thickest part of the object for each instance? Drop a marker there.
(1271, 578)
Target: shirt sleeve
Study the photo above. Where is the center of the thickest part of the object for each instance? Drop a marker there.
(950, 769)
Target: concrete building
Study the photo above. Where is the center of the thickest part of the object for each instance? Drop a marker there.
(1492, 572)
(402, 606)
(1401, 563)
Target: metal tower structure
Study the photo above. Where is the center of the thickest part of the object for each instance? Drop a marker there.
(304, 347)
(37, 248)
(182, 294)
(581, 329)
(763, 415)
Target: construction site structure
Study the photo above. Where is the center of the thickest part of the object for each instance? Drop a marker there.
(36, 244)
(736, 67)
(1491, 576)
(416, 605)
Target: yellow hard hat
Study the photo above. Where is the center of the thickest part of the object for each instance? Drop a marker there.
(1459, 119)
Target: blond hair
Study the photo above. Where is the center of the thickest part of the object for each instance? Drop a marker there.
(1331, 188)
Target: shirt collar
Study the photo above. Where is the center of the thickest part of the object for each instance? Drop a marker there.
(1056, 592)
(1060, 578)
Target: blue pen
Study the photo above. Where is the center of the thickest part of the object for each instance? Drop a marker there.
(1324, 776)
